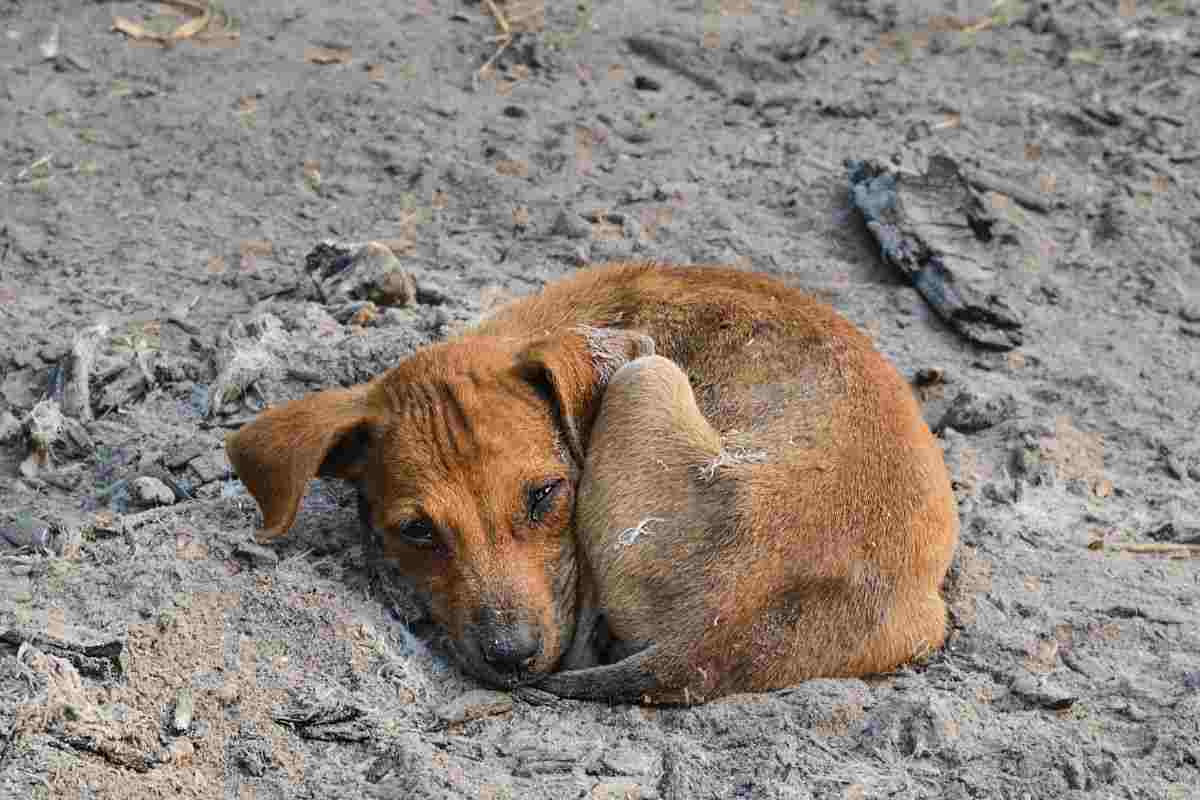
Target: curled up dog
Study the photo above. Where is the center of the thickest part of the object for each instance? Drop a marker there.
(645, 483)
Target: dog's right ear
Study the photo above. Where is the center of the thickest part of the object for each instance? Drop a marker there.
(574, 366)
(325, 434)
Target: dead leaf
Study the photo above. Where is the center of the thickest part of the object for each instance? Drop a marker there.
(256, 247)
(327, 55)
(216, 265)
(247, 104)
(513, 168)
(376, 73)
(521, 216)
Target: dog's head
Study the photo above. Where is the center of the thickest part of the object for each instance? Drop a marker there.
(466, 457)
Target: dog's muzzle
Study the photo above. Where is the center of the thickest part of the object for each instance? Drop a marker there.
(508, 647)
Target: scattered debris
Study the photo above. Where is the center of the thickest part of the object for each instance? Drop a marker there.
(77, 395)
(325, 720)
(473, 705)
(933, 229)
(50, 433)
(346, 275)
(98, 657)
(970, 412)
(245, 353)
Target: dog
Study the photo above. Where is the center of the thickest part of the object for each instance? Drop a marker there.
(645, 483)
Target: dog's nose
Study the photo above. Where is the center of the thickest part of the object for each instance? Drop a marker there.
(511, 648)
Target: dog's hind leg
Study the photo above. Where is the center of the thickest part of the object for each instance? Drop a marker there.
(647, 518)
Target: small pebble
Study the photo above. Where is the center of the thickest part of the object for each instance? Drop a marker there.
(149, 492)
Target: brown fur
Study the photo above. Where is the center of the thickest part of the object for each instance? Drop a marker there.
(761, 505)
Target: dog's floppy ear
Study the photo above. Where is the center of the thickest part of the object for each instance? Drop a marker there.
(325, 433)
(574, 368)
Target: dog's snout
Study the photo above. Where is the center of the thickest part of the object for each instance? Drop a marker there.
(507, 646)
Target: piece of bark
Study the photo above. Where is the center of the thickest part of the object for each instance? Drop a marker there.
(937, 232)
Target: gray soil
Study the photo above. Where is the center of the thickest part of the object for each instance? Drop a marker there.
(149, 649)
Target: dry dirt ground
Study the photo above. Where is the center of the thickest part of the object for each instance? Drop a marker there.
(158, 200)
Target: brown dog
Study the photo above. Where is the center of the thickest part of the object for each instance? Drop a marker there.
(759, 504)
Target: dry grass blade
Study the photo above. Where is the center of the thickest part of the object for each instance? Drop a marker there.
(328, 55)
(504, 39)
(1163, 549)
(516, 17)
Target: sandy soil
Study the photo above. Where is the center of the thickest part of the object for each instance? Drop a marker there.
(172, 193)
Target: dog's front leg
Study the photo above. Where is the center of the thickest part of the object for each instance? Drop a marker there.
(631, 680)
(590, 631)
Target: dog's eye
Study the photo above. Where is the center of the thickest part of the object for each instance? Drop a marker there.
(541, 499)
(419, 532)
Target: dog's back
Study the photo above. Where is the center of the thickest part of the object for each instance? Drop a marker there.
(794, 521)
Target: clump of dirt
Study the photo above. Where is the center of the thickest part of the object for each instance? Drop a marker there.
(169, 168)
